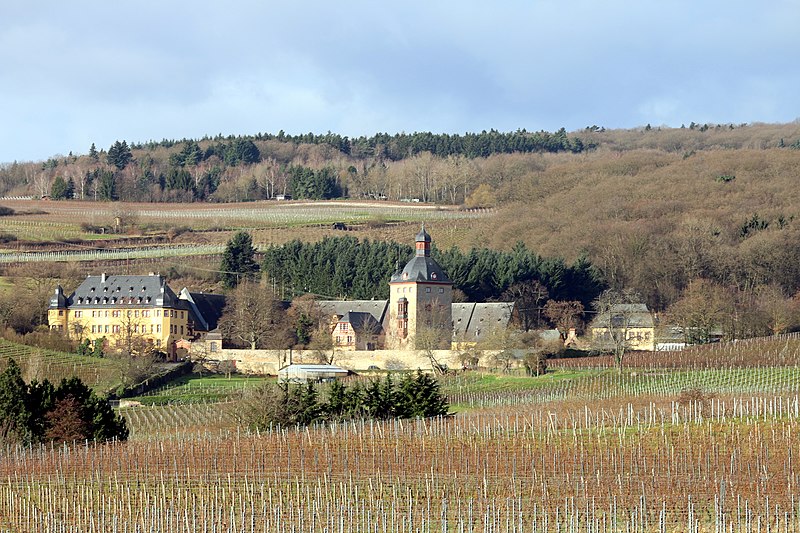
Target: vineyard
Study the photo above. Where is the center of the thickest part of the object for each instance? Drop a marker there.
(643, 465)
(38, 364)
(705, 440)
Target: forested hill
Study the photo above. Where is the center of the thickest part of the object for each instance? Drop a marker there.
(477, 169)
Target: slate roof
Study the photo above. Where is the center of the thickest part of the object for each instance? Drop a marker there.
(141, 292)
(474, 321)
(376, 308)
(362, 322)
(637, 316)
(206, 307)
(421, 268)
(113, 291)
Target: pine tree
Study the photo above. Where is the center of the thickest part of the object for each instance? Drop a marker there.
(58, 190)
(14, 412)
(119, 155)
(238, 260)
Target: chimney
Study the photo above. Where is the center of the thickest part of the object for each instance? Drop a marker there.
(103, 277)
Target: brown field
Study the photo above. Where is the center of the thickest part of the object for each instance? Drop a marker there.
(621, 465)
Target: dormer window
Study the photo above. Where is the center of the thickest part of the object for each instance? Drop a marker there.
(131, 289)
(105, 300)
(433, 275)
(91, 290)
(144, 288)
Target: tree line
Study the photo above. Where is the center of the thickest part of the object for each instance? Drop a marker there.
(415, 395)
(347, 268)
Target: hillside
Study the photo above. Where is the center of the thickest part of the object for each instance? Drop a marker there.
(652, 208)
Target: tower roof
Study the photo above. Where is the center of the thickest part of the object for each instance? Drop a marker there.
(423, 236)
(421, 268)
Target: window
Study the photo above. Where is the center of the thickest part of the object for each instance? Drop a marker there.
(427, 289)
(441, 290)
(158, 328)
(115, 313)
(146, 314)
(213, 346)
(78, 314)
(94, 328)
(181, 314)
(349, 339)
(344, 326)
(151, 328)
(158, 342)
(181, 330)
(129, 312)
(105, 314)
(60, 312)
(136, 313)
(158, 312)
(115, 328)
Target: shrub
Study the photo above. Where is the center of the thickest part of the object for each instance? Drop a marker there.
(6, 211)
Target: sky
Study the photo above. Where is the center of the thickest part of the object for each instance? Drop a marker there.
(82, 72)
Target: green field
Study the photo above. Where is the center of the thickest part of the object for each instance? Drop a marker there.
(193, 388)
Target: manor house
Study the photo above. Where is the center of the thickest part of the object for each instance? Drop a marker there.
(134, 310)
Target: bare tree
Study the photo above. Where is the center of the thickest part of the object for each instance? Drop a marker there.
(253, 316)
(616, 314)
(434, 332)
(528, 297)
(564, 315)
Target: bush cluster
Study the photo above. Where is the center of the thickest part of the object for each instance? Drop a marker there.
(414, 396)
(40, 412)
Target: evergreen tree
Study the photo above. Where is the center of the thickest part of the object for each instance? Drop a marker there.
(93, 153)
(58, 190)
(14, 412)
(119, 155)
(238, 260)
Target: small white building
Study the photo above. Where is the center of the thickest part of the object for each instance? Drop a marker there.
(301, 373)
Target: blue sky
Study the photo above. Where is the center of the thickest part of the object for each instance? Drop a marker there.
(73, 73)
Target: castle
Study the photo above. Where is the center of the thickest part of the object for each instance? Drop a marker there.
(419, 314)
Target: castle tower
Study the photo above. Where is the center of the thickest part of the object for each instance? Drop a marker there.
(420, 302)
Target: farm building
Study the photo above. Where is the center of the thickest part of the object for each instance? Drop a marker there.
(633, 322)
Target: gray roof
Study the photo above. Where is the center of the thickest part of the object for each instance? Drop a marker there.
(421, 268)
(625, 315)
(137, 291)
(376, 308)
(474, 321)
(362, 322)
(58, 299)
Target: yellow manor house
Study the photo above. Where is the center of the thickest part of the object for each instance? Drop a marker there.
(122, 309)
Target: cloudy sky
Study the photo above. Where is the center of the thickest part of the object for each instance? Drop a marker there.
(73, 73)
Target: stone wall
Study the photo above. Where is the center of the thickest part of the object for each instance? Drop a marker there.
(269, 361)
